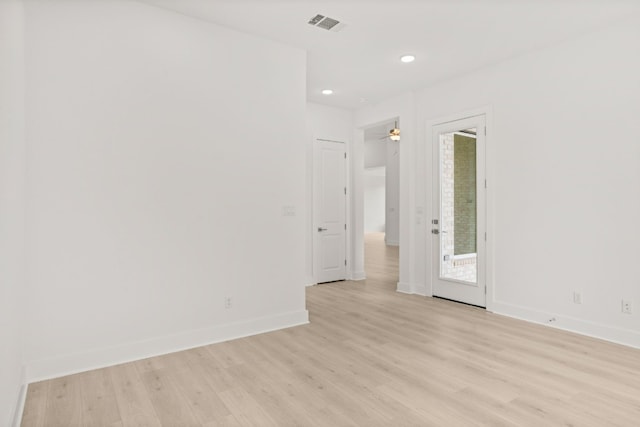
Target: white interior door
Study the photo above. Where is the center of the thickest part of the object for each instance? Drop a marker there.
(458, 228)
(330, 192)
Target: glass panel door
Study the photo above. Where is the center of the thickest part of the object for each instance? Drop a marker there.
(458, 204)
(458, 230)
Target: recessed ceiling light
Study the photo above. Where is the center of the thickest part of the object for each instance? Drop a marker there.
(327, 91)
(407, 58)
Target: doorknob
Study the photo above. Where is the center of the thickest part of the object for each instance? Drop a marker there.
(321, 229)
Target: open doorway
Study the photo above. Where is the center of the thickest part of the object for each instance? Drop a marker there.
(381, 177)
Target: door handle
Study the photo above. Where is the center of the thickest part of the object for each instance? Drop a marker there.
(321, 229)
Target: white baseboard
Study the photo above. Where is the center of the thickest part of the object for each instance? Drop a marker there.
(420, 289)
(39, 370)
(404, 288)
(592, 329)
(16, 419)
(22, 398)
(358, 275)
(310, 280)
(391, 242)
(413, 289)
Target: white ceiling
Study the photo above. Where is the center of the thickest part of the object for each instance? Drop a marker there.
(449, 38)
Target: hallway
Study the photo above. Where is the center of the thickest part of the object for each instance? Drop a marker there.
(380, 261)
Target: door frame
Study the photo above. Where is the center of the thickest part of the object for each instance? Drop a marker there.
(315, 202)
(356, 238)
(428, 164)
(458, 290)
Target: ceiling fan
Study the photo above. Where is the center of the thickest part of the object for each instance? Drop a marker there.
(394, 134)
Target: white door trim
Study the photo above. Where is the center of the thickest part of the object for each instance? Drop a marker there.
(427, 164)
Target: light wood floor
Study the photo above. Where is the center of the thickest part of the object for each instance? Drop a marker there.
(370, 357)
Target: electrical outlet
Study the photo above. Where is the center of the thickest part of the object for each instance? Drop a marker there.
(228, 302)
(577, 297)
(627, 306)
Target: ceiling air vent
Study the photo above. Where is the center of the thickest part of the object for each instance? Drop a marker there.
(326, 23)
(316, 19)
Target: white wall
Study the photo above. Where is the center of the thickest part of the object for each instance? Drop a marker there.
(374, 199)
(374, 180)
(335, 124)
(563, 162)
(158, 172)
(392, 190)
(12, 170)
(331, 123)
(374, 183)
(375, 153)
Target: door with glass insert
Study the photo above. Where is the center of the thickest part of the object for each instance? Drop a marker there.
(458, 229)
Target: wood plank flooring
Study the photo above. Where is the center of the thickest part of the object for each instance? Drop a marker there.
(370, 357)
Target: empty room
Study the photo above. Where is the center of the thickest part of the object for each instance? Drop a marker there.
(319, 213)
